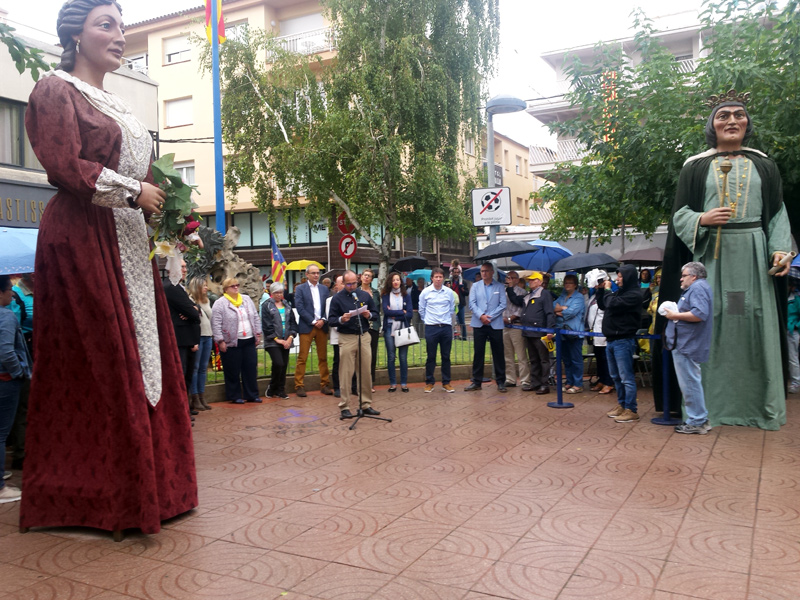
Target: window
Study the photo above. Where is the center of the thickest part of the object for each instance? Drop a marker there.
(15, 148)
(177, 49)
(137, 62)
(302, 24)
(236, 31)
(178, 112)
(520, 206)
(525, 162)
(469, 146)
(186, 169)
(505, 159)
(519, 165)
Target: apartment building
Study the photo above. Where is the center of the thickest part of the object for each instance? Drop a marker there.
(24, 190)
(684, 42)
(161, 48)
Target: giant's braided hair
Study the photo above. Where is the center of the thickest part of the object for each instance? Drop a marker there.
(70, 22)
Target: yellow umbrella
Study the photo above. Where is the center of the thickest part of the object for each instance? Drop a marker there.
(302, 265)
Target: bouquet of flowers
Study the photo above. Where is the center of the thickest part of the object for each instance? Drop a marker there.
(174, 230)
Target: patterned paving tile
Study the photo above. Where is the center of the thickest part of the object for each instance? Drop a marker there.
(462, 497)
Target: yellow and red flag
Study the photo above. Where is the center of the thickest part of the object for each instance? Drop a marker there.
(278, 262)
(220, 22)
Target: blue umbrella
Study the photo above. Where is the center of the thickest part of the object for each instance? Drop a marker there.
(417, 273)
(17, 250)
(469, 274)
(542, 257)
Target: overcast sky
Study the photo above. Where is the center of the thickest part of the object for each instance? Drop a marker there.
(528, 28)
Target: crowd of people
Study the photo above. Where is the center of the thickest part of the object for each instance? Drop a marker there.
(105, 428)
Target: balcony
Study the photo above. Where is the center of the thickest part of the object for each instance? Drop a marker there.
(138, 64)
(310, 42)
(566, 151)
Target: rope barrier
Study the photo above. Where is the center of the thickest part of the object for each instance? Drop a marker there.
(666, 419)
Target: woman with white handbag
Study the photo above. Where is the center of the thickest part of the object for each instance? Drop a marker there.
(397, 313)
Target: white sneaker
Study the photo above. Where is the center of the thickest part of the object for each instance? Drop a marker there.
(9, 494)
(7, 475)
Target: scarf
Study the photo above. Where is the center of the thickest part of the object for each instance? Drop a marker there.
(238, 302)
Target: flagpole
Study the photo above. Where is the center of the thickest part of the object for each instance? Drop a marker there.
(218, 176)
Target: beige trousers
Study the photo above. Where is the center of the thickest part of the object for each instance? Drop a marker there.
(514, 344)
(348, 354)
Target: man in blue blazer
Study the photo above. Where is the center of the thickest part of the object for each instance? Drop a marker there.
(487, 301)
(309, 299)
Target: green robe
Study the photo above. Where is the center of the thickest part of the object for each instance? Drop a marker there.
(744, 377)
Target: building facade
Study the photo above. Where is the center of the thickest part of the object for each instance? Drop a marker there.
(684, 42)
(162, 48)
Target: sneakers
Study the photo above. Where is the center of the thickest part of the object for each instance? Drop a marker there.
(6, 475)
(446, 387)
(615, 412)
(686, 428)
(9, 494)
(627, 416)
(706, 426)
(428, 388)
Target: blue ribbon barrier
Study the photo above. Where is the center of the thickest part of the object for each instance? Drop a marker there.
(666, 419)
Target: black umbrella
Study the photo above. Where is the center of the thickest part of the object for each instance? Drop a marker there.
(502, 250)
(410, 263)
(646, 256)
(583, 262)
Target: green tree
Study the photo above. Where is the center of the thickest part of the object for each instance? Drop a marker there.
(23, 56)
(638, 138)
(377, 130)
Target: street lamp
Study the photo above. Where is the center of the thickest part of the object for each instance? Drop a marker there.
(498, 105)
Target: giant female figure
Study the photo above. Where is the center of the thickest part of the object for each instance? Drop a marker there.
(109, 439)
(729, 215)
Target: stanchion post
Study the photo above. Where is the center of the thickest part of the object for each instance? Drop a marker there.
(560, 403)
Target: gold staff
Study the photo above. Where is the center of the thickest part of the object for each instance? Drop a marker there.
(725, 167)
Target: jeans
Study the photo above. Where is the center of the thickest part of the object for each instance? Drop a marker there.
(572, 350)
(200, 367)
(694, 400)
(240, 367)
(792, 339)
(9, 398)
(495, 338)
(620, 365)
(462, 321)
(391, 351)
(441, 336)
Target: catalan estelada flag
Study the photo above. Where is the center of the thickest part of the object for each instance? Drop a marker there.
(278, 262)
(220, 22)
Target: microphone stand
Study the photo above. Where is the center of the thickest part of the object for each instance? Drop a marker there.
(360, 412)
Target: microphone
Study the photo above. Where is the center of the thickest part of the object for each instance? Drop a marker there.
(354, 295)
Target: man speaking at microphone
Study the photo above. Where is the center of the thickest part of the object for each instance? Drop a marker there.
(353, 332)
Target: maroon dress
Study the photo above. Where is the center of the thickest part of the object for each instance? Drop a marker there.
(109, 441)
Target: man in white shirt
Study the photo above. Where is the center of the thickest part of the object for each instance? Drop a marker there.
(309, 299)
(437, 305)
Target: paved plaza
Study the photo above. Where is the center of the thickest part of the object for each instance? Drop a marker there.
(463, 496)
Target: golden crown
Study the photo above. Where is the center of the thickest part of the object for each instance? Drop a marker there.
(729, 96)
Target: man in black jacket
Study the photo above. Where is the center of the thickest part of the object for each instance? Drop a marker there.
(537, 311)
(354, 341)
(186, 322)
(621, 319)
